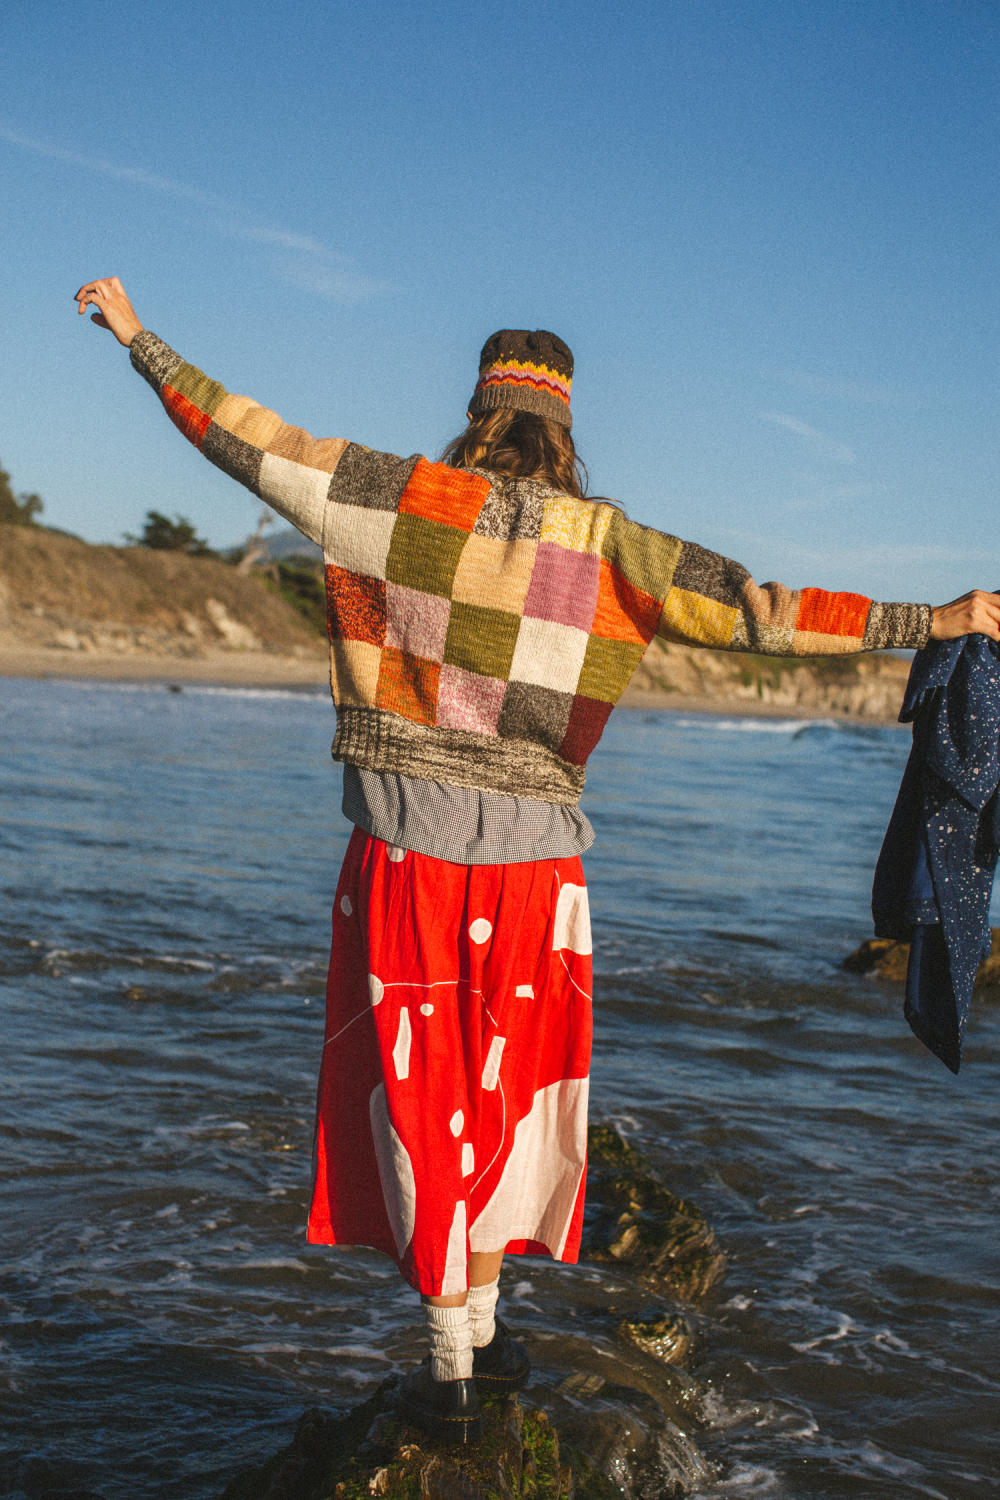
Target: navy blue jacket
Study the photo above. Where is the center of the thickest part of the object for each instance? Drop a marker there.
(935, 873)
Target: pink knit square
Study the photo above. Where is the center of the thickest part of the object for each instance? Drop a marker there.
(468, 701)
(563, 586)
(416, 622)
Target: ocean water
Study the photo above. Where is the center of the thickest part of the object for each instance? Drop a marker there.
(167, 863)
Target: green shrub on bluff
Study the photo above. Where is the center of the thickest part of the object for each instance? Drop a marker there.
(17, 510)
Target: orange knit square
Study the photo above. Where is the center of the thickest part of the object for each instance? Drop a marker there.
(449, 496)
(408, 685)
(185, 415)
(832, 614)
(624, 612)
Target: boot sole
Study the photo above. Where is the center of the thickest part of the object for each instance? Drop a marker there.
(464, 1430)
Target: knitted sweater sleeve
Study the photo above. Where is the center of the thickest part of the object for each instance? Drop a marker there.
(284, 465)
(712, 601)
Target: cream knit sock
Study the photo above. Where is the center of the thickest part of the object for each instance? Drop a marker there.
(451, 1342)
(482, 1308)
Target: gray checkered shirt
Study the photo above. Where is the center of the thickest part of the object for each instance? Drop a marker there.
(461, 823)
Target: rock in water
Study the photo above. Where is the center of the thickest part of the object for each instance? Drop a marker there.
(370, 1452)
(667, 1338)
(618, 1416)
(665, 1241)
(885, 958)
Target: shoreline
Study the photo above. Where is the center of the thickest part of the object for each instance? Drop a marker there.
(251, 669)
(215, 669)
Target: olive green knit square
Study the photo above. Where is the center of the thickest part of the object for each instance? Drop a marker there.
(646, 557)
(481, 640)
(424, 554)
(607, 667)
(203, 393)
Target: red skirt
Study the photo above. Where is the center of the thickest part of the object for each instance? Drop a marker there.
(452, 1110)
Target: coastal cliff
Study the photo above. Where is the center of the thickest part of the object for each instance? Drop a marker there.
(70, 608)
(868, 686)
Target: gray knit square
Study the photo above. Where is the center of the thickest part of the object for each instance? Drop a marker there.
(371, 479)
(512, 511)
(536, 714)
(709, 574)
(241, 460)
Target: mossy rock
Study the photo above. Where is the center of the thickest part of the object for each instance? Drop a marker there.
(607, 1413)
(369, 1451)
(666, 1338)
(634, 1220)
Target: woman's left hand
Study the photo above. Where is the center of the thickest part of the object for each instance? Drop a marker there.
(114, 311)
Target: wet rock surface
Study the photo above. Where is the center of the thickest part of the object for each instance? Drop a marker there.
(665, 1241)
(884, 958)
(599, 1418)
(592, 1440)
(370, 1452)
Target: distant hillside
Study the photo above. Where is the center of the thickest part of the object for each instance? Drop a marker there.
(60, 593)
(130, 611)
(290, 543)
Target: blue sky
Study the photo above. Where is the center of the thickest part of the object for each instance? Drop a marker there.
(768, 230)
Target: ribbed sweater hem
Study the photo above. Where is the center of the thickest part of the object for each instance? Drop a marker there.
(382, 741)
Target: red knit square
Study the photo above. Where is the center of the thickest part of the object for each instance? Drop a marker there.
(408, 685)
(355, 606)
(587, 719)
(449, 496)
(192, 422)
(833, 614)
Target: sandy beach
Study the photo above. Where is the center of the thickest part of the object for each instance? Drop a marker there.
(222, 668)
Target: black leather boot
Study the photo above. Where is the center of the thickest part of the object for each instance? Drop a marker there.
(446, 1409)
(502, 1365)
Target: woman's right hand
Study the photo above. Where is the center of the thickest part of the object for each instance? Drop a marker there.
(114, 311)
(976, 613)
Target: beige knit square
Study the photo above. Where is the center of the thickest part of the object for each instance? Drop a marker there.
(494, 573)
(248, 420)
(296, 492)
(768, 640)
(817, 643)
(579, 525)
(357, 538)
(354, 668)
(549, 654)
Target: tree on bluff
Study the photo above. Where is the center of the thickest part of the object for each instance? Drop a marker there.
(17, 510)
(164, 535)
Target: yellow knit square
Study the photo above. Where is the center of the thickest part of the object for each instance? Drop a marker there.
(354, 667)
(579, 525)
(698, 621)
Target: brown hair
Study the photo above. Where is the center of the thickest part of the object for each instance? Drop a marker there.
(522, 445)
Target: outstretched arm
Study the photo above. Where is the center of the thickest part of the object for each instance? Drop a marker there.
(713, 601)
(282, 464)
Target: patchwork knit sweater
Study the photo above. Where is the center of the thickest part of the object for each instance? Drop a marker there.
(482, 628)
